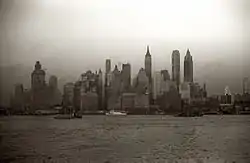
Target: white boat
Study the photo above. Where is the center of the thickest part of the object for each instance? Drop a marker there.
(112, 112)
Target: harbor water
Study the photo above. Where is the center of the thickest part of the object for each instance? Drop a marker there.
(125, 139)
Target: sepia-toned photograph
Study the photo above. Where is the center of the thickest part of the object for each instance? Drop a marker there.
(124, 81)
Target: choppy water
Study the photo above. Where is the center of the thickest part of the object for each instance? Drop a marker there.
(128, 139)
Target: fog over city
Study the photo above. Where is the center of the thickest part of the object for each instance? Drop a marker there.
(70, 37)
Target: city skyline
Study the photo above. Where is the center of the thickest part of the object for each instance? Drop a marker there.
(125, 81)
(112, 66)
(215, 31)
(124, 70)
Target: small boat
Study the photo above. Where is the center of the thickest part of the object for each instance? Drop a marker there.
(77, 115)
(116, 113)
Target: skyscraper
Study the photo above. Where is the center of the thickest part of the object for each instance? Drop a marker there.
(188, 67)
(148, 70)
(176, 67)
(38, 77)
(126, 77)
(148, 65)
(107, 82)
(108, 65)
(142, 82)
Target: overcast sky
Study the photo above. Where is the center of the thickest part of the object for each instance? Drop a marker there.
(71, 36)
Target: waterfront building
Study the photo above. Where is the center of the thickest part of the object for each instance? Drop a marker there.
(128, 101)
(188, 67)
(114, 90)
(68, 94)
(176, 68)
(170, 101)
(18, 100)
(86, 95)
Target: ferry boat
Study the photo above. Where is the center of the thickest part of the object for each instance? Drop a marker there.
(116, 113)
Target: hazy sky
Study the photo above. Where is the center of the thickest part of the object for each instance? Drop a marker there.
(71, 36)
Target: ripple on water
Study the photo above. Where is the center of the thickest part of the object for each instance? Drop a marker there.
(130, 139)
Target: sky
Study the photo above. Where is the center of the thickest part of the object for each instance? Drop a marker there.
(70, 37)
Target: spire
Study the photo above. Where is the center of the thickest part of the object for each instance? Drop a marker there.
(148, 53)
(188, 52)
(188, 55)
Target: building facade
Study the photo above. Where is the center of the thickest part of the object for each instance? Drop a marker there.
(114, 98)
(40, 96)
(188, 67)
(86, 92)
(142, 82)
(38, 77)
(148, 70)
(176, 68)
(126, 77)
(161, 83)
(68, 95)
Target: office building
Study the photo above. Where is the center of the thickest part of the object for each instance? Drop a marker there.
(176, 68)
(188, 67)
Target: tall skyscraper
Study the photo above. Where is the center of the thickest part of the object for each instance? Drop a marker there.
(188, 67)
(148, 65)
(107, 82)
(38, 77)
(126, 76)
(108, 65)
(176, 67)
(148, 70)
